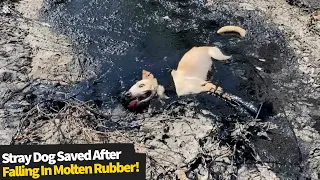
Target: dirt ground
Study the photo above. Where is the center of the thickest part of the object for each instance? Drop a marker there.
(34, 57)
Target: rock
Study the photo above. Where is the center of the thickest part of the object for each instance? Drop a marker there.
(316, 15)
(6, 76)
(6, 9)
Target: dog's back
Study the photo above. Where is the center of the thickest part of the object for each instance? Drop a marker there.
(197, 62)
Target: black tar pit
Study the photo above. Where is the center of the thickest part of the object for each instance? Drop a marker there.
(121, 38)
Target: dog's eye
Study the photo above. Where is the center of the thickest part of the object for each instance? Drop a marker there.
(141, 85)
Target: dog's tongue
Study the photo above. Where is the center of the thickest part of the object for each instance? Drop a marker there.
(133, 103)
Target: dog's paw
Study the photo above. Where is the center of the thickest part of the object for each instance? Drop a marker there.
(165, 97)
(206, 83)
(161, 94)
(208, 86)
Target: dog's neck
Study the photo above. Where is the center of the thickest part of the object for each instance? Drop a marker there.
(166, 89)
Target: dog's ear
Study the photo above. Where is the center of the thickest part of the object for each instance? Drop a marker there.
(147, 75)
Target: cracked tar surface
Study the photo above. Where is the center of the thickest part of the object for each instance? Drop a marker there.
(80, 51)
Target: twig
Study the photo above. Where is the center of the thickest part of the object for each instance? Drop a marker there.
(22, 120)
(258, 111)
(15, 92)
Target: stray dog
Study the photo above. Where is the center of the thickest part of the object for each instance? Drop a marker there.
(190, 77)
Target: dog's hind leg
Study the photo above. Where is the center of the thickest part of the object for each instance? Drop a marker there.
(210, 87)
(217, 54)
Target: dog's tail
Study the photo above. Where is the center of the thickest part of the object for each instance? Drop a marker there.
(230, 29)
(216, 53)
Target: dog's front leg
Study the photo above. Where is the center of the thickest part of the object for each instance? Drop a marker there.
(210, 87)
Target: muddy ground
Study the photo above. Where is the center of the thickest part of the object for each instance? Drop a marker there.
(60, 82)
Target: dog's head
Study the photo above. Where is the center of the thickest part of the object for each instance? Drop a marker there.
(143, 91)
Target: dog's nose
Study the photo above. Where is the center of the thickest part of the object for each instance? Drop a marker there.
(127, 94)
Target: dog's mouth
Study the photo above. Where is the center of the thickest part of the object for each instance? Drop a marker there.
(145, 97)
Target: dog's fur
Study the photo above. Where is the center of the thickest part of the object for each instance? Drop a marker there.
(190, 77)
